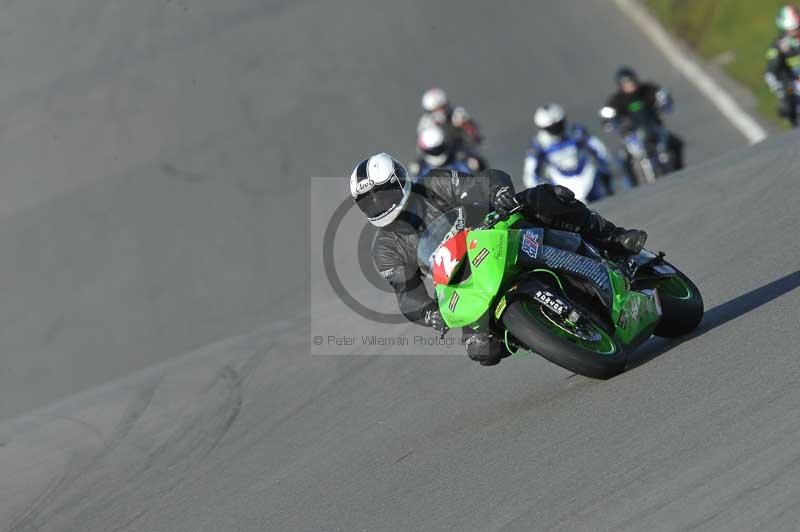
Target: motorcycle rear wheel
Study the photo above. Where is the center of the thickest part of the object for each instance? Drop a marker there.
(645, 172)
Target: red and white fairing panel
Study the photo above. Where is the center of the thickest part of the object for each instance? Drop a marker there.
(448, 256)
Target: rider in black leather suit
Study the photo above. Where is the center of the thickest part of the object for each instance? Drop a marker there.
(402, 209)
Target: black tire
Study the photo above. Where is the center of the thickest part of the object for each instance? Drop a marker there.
(560, 351)
(679, 315)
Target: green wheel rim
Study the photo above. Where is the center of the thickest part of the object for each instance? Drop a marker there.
(604, 345)
(675, 287)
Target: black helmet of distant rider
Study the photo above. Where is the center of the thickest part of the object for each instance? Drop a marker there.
(634, 94)
(627, 79)
(628, 82)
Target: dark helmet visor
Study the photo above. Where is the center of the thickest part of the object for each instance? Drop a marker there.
(557, 129)
(381, 199)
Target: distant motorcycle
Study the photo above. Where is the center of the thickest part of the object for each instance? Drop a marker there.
(648, 152)
(438, 150)
(572, 166)
(461, 162)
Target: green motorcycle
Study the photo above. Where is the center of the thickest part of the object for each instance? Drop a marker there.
(551, 292)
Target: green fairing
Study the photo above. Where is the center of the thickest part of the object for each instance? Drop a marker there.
(620, 287)
(634, 313)
(641, 318)
(478, 293)
(472, 301)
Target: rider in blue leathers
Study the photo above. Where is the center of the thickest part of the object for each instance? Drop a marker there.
(555, 136)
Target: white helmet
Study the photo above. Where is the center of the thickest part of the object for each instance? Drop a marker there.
(432, 142)
(551, 118)
(380, 186)
(788, 18)
(434, 99)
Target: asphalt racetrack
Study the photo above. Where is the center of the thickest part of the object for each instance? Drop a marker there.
(162, 280)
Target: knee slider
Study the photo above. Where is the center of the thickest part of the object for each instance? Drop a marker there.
(481, 348)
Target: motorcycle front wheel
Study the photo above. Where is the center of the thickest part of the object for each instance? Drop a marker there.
(681, 306)
(583, 346)
(644, 171)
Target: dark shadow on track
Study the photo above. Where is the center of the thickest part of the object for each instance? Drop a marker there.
(719, 315)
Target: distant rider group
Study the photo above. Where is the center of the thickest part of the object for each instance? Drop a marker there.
(565, 167)
(560, 152)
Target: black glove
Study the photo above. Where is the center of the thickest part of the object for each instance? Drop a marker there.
(434, 320)
(504, 201)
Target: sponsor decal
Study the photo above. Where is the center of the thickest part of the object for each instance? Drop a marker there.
(386, 273)
(455, 179)
(453, 302)
(623, 320)
(550, 301)
(500, 250)
(635, 309)
(479, 257)
(473, 244)
(530, 243)
(501, 306)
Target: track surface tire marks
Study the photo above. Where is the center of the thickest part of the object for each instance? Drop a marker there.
(159, 442)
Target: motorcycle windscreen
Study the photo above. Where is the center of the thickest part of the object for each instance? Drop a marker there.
(441, 247)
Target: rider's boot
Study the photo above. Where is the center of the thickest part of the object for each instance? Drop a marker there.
(608, 236)
(483, 349)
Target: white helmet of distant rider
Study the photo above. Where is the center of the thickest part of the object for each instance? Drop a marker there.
(434, 146)
(381, 187)
(551, 120)
(434, 100)
(788, 19)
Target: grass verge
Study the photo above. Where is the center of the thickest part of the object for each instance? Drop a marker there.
(736, 33)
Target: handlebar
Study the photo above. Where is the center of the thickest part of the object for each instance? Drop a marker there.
(496, 219)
